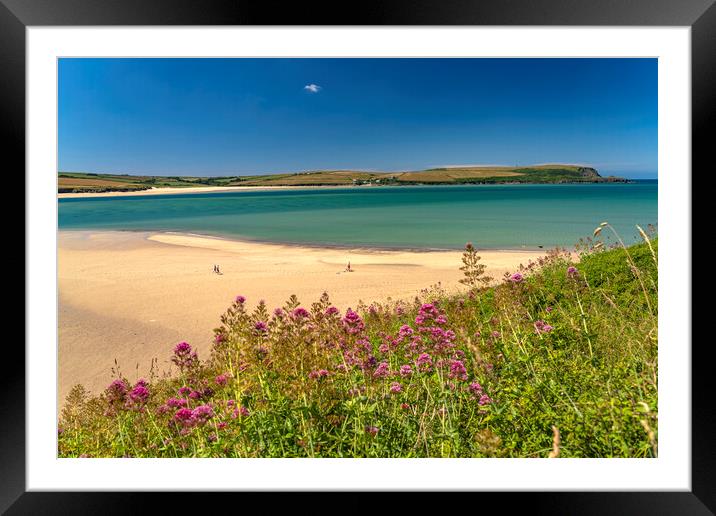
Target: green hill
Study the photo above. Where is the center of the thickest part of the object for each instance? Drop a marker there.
(551, 173)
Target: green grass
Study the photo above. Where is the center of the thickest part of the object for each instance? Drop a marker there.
(566, 362)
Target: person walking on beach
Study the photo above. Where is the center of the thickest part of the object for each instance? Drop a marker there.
(348, 268)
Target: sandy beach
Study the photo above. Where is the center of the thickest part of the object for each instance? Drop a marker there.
(199, 189)
(131, 296)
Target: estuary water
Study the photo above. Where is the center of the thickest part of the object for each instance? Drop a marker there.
(413, 217)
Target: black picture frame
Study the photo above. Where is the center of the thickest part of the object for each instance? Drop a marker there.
(700, 15)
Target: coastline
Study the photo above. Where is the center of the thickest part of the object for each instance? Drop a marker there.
(131, 296)
(364, 248)
(196, 190)
(218, 189)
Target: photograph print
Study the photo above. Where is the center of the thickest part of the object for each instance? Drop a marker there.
(357, 257)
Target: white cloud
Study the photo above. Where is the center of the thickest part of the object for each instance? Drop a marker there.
(312, 88)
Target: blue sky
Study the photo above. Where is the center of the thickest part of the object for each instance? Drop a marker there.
(245, 116)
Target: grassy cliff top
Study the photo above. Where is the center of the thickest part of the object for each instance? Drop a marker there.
(557, 360)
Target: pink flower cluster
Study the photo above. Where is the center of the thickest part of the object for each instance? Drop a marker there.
(320, 373)
(300, 313)
(457, 370)
(352, 323)
(139, 395)
(477, 392)
(542, 327)
(382, 371)
(184, 357)
(120, 395)
(186, 418)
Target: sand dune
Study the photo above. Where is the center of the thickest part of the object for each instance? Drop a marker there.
(131, 296)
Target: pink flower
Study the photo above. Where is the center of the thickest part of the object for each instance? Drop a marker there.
(457, 370)
(542, 327)
(184, 391)
(183, 348)
(424, 362)
(405, 331)
(221, 379)
(427, 308)
(176, 402)
(240, 299)
(202, 414)
(476, 388)
(406, 370)
(140, 394)
(261, 327)
(320, 373)
(116, 394)
(332, 310)
(352, 322)
(184, 357)
(572, 271)
(516, 277)
(372, 430)
(300, 313)
(382, 370)
(484, 400)
(184, 417)
(395, 387)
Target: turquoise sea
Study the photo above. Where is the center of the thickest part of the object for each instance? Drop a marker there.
(415, 217)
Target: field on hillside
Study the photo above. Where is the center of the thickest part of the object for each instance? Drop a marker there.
(80, 182)
(452, 174)
(306, 178)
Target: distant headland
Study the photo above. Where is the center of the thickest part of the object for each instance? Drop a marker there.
(83, 182)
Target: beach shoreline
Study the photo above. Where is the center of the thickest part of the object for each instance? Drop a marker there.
(365, 248)
(131, 296)
(199, 189)
(223, 189)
